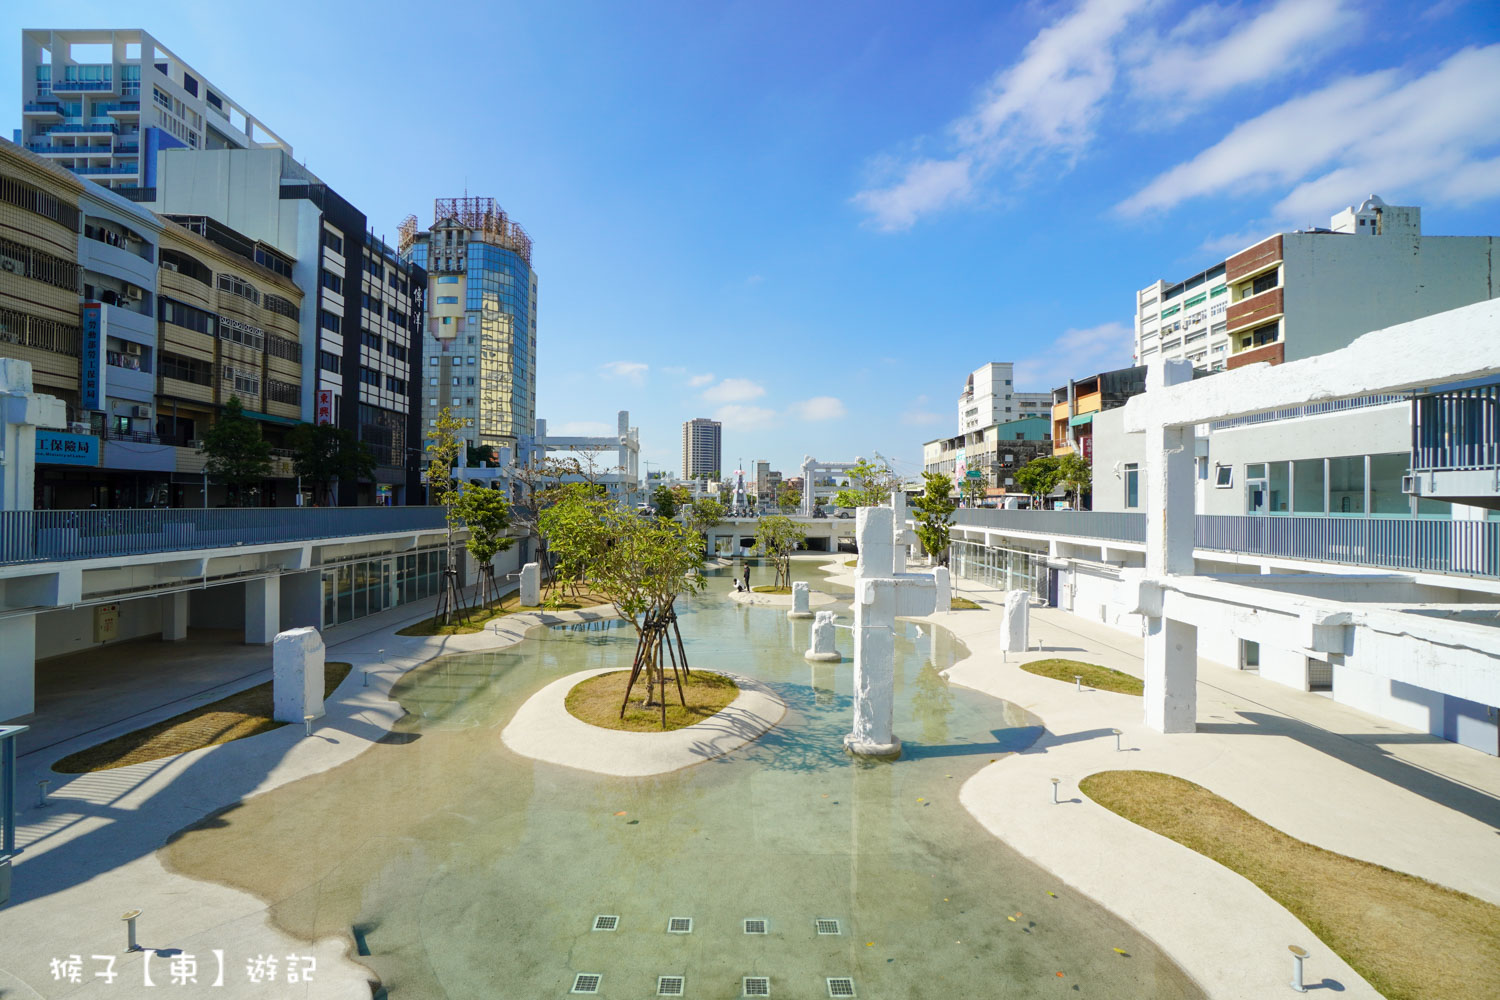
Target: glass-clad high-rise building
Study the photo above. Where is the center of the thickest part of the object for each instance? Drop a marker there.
(480, 341)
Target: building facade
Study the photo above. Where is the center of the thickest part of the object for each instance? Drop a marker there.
(480, 337)
(102, 103)
(1075, 405)
(989, 398)
(990, 455)
(1294, 295)
(702, 448)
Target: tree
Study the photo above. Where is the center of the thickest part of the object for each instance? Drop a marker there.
(480, 456)
(574, 527)
(973, 490)
(486, 513)
(322, 453)
(1075, 475)
(705, 513)
(443, 446)
(777, 538)
(789, 496)
(665, 502)
(1039, 477)
(870, 484)
(935, 507)
(236, 455)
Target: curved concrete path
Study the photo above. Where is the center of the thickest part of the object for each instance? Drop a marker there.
(544, 730)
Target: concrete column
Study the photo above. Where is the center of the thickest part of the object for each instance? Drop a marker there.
(174, 616)
(1171, 675)
(17, 666)
(1015, 630)
(262, 610)
(823, 648)
(531, 585)
(801, 596)
(297, 661)
(944, 584)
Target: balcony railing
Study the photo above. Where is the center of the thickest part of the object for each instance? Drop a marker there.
(1119, 527)
(106, 170)
(1308, 410)
(1456, 430)
(33, 536)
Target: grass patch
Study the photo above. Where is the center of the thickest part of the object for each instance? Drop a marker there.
(1094, 675)
(597, 701)
(507, 605)
(852, 563)
(246, 713)
(772, 590)
(1408, 937)
(962, 604)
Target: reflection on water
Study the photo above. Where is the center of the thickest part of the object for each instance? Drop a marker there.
(471, 872)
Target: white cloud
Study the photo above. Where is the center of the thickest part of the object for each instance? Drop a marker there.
(745, 418)
(1192, 65)
(820, 408)
(1046, 103)
(1076, 354)
(1429, 136)
(921, 418)
(734, 390)
(633, 372)
(697, 380)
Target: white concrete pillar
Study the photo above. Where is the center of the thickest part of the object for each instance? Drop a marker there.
(944, 584)
(17, 666)
(823, 648)
(21, 413)
(174, 616)
(262, 610)
(1015, 628)
(297, 675)
(899, 531)
(1171, 675)
(800, 601)
(531, 585)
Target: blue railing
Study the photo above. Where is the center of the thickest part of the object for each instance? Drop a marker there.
(1119, 527)
(31, 536)
(1456, 430)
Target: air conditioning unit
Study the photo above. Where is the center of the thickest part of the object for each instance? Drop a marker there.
(134, 294)
(79, 427)
(132, 348)
(140, 411)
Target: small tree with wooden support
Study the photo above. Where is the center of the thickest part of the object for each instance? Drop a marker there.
(575, 531)
(646, 566)
(777, 538)
(935, 507)
(486, 513)
(443, 446)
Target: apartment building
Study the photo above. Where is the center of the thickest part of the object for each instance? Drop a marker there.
(702, 448)
(101, 103)
(990, 454)
(1075, 405)
(360, 326)
(480, 338)
(1297, 294)
(988, 398)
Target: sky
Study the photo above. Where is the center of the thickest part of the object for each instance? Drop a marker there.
(812, 221)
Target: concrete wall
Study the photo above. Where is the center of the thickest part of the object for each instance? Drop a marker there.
(69, 630)
(1113, 449)
(1338, 287)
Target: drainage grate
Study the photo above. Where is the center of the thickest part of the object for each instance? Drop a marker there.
(757, 986)
(755, 926)
(827, 927)
(680, 925)
(841, 987)
(669, 986)
(606, 922)
(586, 982)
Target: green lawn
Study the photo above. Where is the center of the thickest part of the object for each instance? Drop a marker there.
(1094, 676)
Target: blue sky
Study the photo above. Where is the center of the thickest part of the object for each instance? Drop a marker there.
(813, 220)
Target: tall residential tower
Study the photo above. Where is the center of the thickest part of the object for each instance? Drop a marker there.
(702, 448)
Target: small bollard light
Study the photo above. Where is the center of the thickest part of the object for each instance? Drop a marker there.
(366, 672)
(41, 793)
(1055, 782)
(382, 656)
(1078, 682)
(307, 721)
(129, 917)
(1298, 954)
(1117, 739)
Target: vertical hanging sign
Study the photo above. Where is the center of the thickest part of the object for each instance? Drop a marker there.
(325, 406)
(91, 377)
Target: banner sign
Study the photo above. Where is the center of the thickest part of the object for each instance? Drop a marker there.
(325, 406)
(57, 448)
(91, 380)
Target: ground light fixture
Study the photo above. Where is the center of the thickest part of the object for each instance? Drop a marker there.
(307, 721)
(1298, 956)
(1055, 782)
(129, 917)
(1078, 682)
(1117, 739)
(41, 793)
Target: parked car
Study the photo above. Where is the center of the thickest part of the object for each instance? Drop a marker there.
(844, 514)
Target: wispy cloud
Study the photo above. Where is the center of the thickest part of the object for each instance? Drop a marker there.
(633, 372)
(755, 279)
(745, 418)
(1434, 136)
(734, 390)
(1075, 354)
(697, 380)
(820, 408)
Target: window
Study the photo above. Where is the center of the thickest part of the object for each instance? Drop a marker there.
(1223, 476)
(369, 377)
(330, 322)
(447, 300)
(329, 362)
(447, 320)
(1132, 486)
(1264, 283)
(185, 369)
(1265, 334)
(23, 195)
(235, 285)
(282, 307)
(41, 266)
(247, 382)
(448, 279)
(372, 303)
(186, 316)
(333, 282)
(471, 360)
(371, 340)
(242, 333)
(396, 385)
(281, 347)
(471, 380)
(395, 350)
(333, 241)
(433, 361)
(432, 401)
(455, 380)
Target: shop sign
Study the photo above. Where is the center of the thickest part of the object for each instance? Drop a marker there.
(58, 448)
(91, 379)
(325, 406)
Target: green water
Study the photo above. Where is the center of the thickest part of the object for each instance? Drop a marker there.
(468, 871)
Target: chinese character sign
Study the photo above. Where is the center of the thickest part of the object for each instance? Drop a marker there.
(325, 406)
(91, 376)
(57, 448)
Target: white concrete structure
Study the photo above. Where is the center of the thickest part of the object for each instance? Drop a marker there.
(531, 585)
(297, 675)
(800, 594)
(622, 479)
(1015, 631)
(988, 398)
(942, 580)
(21, 413)
(880, 596)
(811, 489)
(822, 648)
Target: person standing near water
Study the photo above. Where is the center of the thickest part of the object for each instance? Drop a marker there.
(747, 576)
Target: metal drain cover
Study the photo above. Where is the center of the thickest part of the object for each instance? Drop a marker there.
(586, 982)
(757, 986)
(842, 986)
(756, 925)
(669, 986)
(826, 926)
(680, 925)
(606, 922)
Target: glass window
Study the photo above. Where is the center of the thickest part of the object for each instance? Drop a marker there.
(1307, 486)
(1346, 485)
(1385, 484)
(1132, 485)
(1279, 487)
(448, 279)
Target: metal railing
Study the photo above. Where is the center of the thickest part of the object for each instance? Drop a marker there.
(1455, 430)
(32, 536)
(1308, 410)
(1121, 527)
